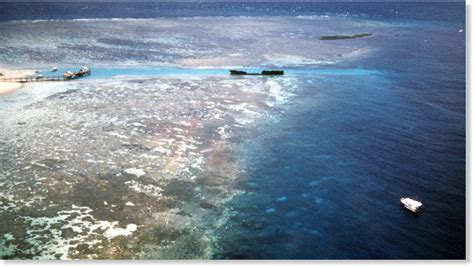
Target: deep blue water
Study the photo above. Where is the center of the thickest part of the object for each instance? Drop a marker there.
(325, 180)
(441, 11)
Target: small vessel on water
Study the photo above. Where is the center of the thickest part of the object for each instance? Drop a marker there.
(236, 72)
(85, 71)
(54, 69)
(411, 204)
(69, 75)
(273, 72)
(264, 72)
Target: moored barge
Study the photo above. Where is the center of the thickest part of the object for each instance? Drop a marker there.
(264, 72)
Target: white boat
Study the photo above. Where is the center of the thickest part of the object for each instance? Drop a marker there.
(54, 69)
(69, 75)
(411, 204)
(85, 71)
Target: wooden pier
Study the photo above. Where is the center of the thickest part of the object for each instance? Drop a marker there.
(33, 79)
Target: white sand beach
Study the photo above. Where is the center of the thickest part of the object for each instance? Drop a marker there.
(8, 87)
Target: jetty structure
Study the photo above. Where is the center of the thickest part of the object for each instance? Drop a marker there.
(85, 71)
(264, 72)
(411, 204)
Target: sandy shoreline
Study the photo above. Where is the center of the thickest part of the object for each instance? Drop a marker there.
(8, 87)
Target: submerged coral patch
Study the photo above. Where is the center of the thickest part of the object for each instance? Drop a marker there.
(127, 160)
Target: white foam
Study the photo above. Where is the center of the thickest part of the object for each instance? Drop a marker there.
(135, 171)
(275, 90)
(114, 232)
(7, 250)
(245, 115)
(147, 189)
(81, 221)
(279, 93)
(117, 135)
(312, 17)
(136, 124)
(224, 132)
(287, 59)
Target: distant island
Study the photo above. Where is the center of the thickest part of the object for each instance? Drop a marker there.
(338, 37)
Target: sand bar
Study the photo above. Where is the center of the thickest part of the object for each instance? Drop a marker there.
(8, 87)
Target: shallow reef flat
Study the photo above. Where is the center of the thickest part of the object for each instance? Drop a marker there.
(135, 168)
(183, 42)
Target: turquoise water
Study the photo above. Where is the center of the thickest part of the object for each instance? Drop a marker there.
(98, 73)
